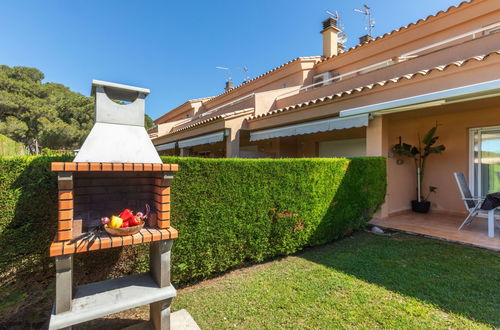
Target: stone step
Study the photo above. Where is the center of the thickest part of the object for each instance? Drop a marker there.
(180, 320)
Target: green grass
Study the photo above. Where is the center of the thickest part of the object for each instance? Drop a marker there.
(365, 281)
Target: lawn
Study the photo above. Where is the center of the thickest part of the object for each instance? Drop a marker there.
(364, 281)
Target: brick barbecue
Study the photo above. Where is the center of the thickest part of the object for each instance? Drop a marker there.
(88, 191)
(117, 167)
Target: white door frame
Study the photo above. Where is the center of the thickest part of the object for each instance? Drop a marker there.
(472, 134)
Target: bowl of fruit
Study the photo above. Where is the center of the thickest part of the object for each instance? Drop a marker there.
(126, 223)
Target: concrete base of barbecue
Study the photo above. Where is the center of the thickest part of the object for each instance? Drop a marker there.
(94, 300)
(99, 299)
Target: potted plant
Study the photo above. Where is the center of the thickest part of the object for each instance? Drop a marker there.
(419, 154)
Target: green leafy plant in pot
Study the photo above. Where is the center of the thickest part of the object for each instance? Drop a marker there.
(426, 147)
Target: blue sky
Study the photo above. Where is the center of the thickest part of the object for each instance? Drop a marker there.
(173, 47)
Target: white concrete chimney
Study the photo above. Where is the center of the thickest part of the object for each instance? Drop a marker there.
(330, 37)
(118, 135)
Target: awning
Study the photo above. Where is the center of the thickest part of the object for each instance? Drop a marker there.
(166, 146)
(204, 139)
(311, 127)
(448, 96)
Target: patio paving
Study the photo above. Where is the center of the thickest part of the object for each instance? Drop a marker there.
(442, 226)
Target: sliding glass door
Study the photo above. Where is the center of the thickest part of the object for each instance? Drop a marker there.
(485, 160)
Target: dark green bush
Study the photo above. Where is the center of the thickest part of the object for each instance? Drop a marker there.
(227, 212)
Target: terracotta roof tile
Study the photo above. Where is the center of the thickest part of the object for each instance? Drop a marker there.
(317, 58)
(410, 76)
(211, 119)
(402, 28)
(201, 99)
(320, 59)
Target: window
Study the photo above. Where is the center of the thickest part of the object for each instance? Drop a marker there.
(203, 154)
(321, 79)
(484, 161)
(342, 148)
(492, 30)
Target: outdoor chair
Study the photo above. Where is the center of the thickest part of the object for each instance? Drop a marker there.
(472, 203)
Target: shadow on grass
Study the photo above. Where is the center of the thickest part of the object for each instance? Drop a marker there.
(454, 278)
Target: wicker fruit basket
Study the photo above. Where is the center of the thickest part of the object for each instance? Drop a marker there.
(124, 231)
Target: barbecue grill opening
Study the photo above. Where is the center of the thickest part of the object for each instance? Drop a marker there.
(98, 194)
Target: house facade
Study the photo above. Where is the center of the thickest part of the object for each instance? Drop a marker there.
(361, 101)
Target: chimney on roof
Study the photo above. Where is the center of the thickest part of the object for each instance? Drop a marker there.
(365, 38)
(229, 86)
(330, 34)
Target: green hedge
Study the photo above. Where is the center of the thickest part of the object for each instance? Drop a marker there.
(28, 204)
(227, 211)
(9, 147)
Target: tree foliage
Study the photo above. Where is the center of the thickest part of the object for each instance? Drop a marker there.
(42, 114)
(148, 122)
(39, 114)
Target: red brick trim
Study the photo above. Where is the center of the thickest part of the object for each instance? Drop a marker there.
(65, 215)
(65, 204)
(163, 215)
(105, 241)
(98, 167)
(64, 235)
(65, 225)
(65, 195)
(163, 224)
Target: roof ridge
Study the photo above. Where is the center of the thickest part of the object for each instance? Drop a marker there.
(185, 102)
(268, 72)
(201, 99)
(408, 76)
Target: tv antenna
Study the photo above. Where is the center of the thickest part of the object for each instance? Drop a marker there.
(336, 16)
(245, 70)
(368, 14)
(228, 71)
